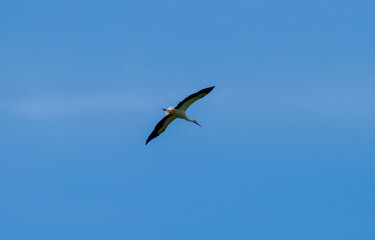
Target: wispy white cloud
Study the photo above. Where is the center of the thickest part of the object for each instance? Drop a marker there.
(327, 103)
(49, 107)
(52, 106)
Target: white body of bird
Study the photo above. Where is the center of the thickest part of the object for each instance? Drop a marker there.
(180, 114)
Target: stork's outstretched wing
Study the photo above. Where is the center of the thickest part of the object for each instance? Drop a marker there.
(184, 104)
(161, 126)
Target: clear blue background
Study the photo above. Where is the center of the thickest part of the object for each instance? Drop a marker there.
(286, 147)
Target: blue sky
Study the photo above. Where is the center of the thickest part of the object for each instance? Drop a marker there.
(286, 147)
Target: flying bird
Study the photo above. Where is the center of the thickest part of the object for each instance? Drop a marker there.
(178, 112)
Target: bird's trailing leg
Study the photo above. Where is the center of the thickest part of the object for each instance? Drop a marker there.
(168, 111)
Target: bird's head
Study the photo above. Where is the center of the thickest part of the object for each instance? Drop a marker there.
(195, 121)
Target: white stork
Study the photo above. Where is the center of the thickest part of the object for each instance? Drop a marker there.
(178, 112)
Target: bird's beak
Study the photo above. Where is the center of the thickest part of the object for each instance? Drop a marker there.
(197, 124)
(164, 109)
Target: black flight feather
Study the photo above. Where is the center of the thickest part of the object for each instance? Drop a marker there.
(161, 126)
(202, 92)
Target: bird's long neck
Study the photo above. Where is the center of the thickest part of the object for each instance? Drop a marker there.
(186, 118)
(183, 116)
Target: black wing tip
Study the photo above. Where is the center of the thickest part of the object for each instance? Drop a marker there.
(206, 90)
(148, 140)
(155, 133)
(210, 88)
